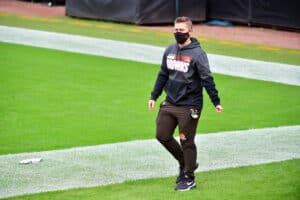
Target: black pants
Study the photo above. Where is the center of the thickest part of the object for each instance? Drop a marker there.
(169, 117)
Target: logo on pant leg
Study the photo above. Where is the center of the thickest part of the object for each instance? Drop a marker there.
(195, 114)
(182, 136)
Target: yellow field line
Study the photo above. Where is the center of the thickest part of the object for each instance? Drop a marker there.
(104, 26)
(4, 14)
(268, 48)
(294, 51)
(82, 24)
(135, 30)
(50, 20)
(232, 43)
(202, 39)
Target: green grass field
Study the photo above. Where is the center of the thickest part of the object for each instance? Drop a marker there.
(53, 100)
(59, 99)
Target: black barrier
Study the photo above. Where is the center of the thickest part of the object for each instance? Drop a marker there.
(231, 10)
(137, 11)
(49, 2)
(275, 13)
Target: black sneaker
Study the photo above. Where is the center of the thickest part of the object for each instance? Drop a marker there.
(181, 173)
(186, 183)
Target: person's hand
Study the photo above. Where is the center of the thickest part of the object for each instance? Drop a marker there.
(219, 108)
(151, 105)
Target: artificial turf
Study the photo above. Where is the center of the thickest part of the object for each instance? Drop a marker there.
(275, 181)
(53, 100)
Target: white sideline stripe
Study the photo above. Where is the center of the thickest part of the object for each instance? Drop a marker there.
(269, 71)
(119, 162)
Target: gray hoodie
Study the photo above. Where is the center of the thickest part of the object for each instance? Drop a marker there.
(183, 74)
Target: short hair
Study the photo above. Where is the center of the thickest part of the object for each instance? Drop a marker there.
(184, 19)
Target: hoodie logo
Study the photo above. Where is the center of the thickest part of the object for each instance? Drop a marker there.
(178, 62)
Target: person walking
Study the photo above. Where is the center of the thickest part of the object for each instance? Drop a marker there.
(183, 74)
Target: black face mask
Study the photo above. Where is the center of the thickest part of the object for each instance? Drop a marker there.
(181, 37)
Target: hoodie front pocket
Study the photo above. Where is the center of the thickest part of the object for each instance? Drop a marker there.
(175, 90)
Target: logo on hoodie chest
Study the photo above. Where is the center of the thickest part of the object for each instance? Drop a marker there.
(178, 62)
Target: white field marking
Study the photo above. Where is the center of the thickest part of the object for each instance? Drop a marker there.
(115, 163)
(269, 71)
